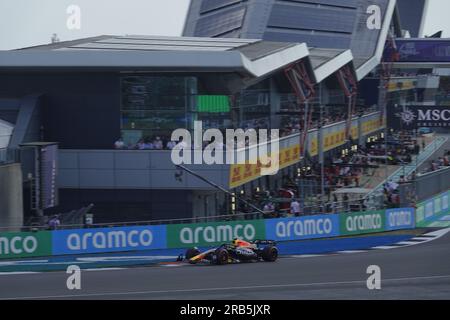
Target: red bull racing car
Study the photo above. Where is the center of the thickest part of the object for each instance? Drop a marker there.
(235, 252)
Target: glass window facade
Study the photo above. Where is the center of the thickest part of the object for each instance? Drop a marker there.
(155, 106)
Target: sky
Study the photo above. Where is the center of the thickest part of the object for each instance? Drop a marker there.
(26, 23)
(32, 22)
(437, 18)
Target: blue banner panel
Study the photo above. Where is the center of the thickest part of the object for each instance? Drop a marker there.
(398, 219)
(423, 50)
(313, 227)
(48, 172)
(109, 240)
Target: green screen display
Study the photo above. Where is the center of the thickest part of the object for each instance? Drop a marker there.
(213, 104)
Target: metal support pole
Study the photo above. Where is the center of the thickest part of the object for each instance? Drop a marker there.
(321, 156)
(220, 188)
(386, 171)
(349, 118)
(305, 128)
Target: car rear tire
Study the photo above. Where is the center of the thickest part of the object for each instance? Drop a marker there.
(221, 256)
(270, 254)
(192, 252)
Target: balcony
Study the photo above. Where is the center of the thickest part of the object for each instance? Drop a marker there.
(154, 169)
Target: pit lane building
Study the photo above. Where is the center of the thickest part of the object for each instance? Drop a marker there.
(87, 93)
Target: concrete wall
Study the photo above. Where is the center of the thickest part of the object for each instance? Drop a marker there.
(11, 199)
(433, 183)
(79, 110)
(134, 169)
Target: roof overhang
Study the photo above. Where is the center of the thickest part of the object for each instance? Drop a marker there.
(328, 68)
(5, 126)
(251, 59)
(271, 63)
(231, 69)
(122, 60)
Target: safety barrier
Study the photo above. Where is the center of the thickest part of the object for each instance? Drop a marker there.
(429, 212)
(416, 162)
(139, 238)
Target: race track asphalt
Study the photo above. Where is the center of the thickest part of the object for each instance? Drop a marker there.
(417, 272)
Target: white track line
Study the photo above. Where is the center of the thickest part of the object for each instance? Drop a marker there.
(306, 255)
(102, 269)
(405, 243)
(352, 251)
(17, 273)
(298, 285)
(431, 236)
(124, 258)
(384, 248)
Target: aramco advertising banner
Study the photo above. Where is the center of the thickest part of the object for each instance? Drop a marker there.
(431, 210)
(362, 222)
(25, 244)
(140, 238)
(399, 219)
(311, 227)
(98, 240)
(413, 117)
(214, 233)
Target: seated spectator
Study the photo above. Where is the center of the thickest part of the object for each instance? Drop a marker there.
(170, 145)
(148, 146)
(295, 208)
(158, 144)
(141, 144)
(269, 208)
(119, 144)
(54, 223)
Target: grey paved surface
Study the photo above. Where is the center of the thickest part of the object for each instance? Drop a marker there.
(416, 272)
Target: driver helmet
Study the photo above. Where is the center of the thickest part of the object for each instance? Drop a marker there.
(236, 242)
(239, 242)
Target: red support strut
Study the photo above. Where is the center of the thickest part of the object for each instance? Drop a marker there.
(349, 85)
(304, 90)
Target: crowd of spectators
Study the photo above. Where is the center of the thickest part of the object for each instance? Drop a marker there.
(289, 125)
(157, 143)
(344, 171)
(438, 164)
(339, 172)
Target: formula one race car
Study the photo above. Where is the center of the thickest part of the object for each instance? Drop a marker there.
(236, 252)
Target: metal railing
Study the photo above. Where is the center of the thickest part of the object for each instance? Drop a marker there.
(407, 170)
(233, 217)
(432, 183)
(342, 207)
